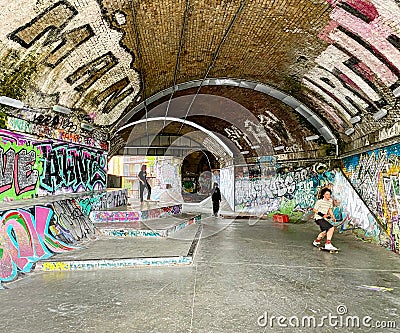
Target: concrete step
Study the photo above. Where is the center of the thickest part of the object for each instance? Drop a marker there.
(128, 252)
(129, 215)
(164, 227)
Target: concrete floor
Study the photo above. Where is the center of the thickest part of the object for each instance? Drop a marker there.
(243, 271)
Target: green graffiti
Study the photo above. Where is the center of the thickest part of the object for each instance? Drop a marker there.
(287, 207)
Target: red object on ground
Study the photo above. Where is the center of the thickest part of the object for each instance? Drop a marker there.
(281, 218)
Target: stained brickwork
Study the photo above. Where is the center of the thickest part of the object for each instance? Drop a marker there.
(101, 58)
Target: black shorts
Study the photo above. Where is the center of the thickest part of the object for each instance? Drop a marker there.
(323, 224)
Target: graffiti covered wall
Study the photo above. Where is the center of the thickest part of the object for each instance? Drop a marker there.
(30, 234)
(227, 185)
(354, 214)
(53, 127)
(35, 233)
(34, 167)
(268, 188)
(103, 200)
(358, 74)
(375, 176)
(130, 216)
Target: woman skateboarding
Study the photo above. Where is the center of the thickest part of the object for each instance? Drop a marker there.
(323, 212)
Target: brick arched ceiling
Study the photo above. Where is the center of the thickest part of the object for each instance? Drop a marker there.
(102, 58)
(234, 113)
(161, 132)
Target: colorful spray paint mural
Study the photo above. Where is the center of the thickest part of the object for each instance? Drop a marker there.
(28, 235)
(56, 128)
(132, 216)
(266, 188)
(357, 75)
(103, 200)
(354, 214)
(75, 265)
(21, 167)
(375, 176)
(34, 167)
(36, 233)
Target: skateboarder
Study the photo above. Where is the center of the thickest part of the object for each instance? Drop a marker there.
(143, 183)
(323, 212)
(216, 199)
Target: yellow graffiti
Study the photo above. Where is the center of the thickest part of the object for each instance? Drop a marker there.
(56, 266)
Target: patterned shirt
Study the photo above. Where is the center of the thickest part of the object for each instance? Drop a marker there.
(322, 206)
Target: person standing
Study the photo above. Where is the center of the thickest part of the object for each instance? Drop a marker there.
(323, 212)
(216, 199)
(143, 183)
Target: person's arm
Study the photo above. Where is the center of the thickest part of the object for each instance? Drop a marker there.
(330, 211)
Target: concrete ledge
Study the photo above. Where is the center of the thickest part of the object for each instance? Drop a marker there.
(51, 265)
(111, 216)
(45, 199)
(76, 265)
(150, 232)
(132, 233)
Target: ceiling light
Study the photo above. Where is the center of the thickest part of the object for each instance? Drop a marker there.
(255, 147)
(244, 152)
(279, 148)
(87, 127)
(61, 109)
(396, 92)
(349, 131)
(380, 114)
(355, 119)
(312, 137)
(11, 102)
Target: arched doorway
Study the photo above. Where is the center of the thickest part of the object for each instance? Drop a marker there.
(196, 171)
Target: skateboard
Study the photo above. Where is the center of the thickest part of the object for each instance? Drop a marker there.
(322, 248)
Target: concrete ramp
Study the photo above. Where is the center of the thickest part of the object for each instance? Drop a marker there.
(134, 244)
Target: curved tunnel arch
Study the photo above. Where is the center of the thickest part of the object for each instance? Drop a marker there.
(289, 100)
(206, 131)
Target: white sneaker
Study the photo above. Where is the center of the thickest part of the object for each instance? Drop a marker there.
(330, 247)
(317, 244)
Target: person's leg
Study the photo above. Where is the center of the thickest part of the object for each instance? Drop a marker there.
(329, 234)
(321, 235)
(141, 189)
(148, 191)
(328, 244)
(215, 208)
